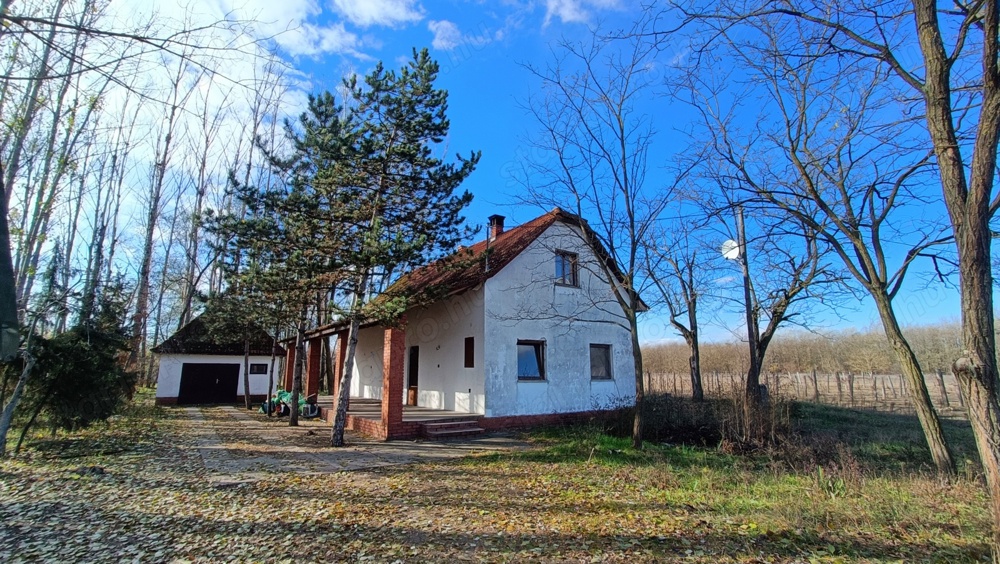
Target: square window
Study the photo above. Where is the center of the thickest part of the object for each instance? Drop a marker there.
(260, 368)
(566, 268)
(600, 362)
(470, 352)
(531, 360)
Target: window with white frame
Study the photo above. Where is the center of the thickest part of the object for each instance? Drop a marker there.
(600, 362)
(567, 268)
(530, 360)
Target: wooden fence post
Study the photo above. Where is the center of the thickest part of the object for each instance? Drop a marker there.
(815, 387)
(850, 385)
(944, 390)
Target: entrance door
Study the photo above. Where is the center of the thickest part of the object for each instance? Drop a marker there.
(414, 362)
(208, 383)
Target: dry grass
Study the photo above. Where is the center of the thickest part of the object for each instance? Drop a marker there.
(848, 488)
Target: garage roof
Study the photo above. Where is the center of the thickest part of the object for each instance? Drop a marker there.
(196, 338)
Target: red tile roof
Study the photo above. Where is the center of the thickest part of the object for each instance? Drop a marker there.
(470, 267)
(473, 265)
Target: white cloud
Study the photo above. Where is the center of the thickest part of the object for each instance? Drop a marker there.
(389, 13)
(309, 39)
(295, 26)
(446, 34)
(575, 11)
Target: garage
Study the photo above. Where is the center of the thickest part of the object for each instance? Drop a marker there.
(203, 383)
(203, 365)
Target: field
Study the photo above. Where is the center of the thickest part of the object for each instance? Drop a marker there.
(882, 392)
(848, 486)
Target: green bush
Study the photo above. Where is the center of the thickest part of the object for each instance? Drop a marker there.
(79, 377)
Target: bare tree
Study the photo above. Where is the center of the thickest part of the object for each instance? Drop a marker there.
(679, 262)
(954, 85)
(164, 150)
(62, 59)
(590, 157)
(821, 156)
(211, 116)
(785, 274)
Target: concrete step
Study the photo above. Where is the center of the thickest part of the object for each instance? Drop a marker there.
(453, 433)
(448, 429)
(448, 425)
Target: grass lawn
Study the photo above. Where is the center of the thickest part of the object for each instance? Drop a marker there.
(857, 489)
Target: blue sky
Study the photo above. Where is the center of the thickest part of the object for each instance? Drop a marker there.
(481, 47)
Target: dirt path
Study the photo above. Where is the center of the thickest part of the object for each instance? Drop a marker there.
(236, 446)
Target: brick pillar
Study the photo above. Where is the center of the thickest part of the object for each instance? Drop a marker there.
(393, 356)
(286, 383)
(312, 366)
(338, 362)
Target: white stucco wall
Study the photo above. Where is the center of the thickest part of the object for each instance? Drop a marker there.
(440, 332)
(366, 379)
(168, 382)
(523, 302)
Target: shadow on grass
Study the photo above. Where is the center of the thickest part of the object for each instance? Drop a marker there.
(684, 434)
(883, 441)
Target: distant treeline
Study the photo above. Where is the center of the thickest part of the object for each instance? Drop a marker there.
(936, 346)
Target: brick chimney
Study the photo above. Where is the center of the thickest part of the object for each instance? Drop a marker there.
(496, 226)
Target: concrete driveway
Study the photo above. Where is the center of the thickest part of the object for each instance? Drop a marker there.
(238, 446)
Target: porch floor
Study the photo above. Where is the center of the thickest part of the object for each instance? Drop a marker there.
(372, 409)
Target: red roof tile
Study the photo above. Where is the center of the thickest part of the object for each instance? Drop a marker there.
(473, 265)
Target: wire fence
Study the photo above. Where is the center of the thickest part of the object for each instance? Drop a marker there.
(880, 392)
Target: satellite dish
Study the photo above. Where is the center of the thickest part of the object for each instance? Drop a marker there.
(730, 249)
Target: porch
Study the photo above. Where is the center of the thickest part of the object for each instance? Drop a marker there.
(386, 418)
(365, 416)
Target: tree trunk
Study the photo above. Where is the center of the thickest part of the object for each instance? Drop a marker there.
(976, 372)
(246, 372)
(153, 216)
(32, 99)
(344, 395)
(270, 374)
(300, 360)
(640, 392)
(697, 392)
(31, 421)
(15, 398)
(753, 331)
(921, 399)
(9, 325)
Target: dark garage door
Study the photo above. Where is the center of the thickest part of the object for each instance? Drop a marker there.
(208, 383)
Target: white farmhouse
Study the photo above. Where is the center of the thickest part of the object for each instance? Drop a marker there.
(527, 333)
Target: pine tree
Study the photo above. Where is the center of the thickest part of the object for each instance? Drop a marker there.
(401, 197)
(363, 197)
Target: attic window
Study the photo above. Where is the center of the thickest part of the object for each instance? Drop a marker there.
(566, 269)
(530, 360)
